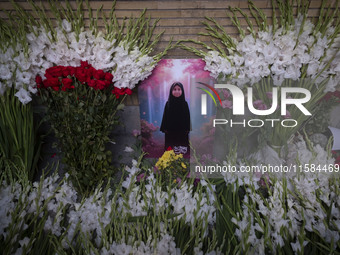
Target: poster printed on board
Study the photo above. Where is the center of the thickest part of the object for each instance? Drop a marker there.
(164, 117)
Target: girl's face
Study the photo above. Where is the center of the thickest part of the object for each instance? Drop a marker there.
(177, 91)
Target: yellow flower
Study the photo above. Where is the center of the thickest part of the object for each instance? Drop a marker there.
(166, 159)
(183, 165)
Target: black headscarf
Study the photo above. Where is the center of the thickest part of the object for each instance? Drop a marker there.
(172, 99)
(176, 116)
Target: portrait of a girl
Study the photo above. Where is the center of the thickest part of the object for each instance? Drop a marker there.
(176, 123)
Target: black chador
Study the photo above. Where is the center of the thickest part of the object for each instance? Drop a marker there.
(176, 120)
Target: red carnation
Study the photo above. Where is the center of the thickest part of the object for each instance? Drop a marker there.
(99, 75)
(90, 71)
(38, 81)
(92, 83)
(81, 75)
(69, 70)
(108, 77)
(127, 91)
(116, 92)
(66, 72)
(107, 83)
(100, 85)
(51, 82)
(85, 64)
(55, 71)
(67, 84)
(48, 76)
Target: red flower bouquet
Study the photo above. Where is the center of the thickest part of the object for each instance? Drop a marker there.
(65, 77)
(82, 103)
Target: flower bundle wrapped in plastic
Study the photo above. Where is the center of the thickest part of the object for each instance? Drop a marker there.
(290, 51)
(32, 44)
(36, 44)
(82, 103)
(291, 48)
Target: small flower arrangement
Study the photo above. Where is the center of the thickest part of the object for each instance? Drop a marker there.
(167, 158)
(81, 106)
(173, 166)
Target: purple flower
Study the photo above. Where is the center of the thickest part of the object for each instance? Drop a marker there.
(227, 104)
(265, 180)
(135, 132)
(259, 105)
(141, 177)
(288, 115)
(197, 181)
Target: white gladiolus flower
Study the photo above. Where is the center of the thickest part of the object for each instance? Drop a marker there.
(270, 52)
(331, 85)
(22, 62)
(8, 55)
(43, 38)
(66, 26)
(250, 59)
(313, 67)
(238, 60)
(279, 55)
(247, 45)
(23, 96)
(265, 36)
(2, 88)
(283, 58)
(297, 246)
(63, 49)
(129, 67)
(31, 37)
(5, 73)
(24, 77)
(277, 69)
(79, 47)
(128, 149)
(317, 52)
(292, 73)
(37, 60)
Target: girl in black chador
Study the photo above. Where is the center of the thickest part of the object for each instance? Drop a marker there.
(176, 120)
